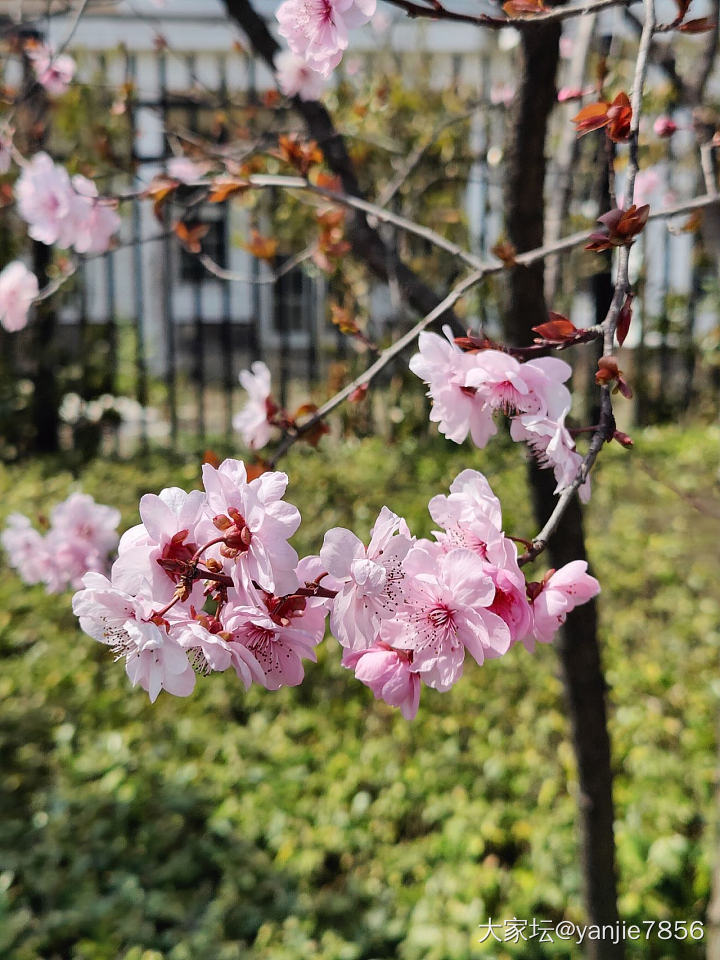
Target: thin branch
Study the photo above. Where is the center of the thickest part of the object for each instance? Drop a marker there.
(522, 259)
(606, 426)
(438, 12)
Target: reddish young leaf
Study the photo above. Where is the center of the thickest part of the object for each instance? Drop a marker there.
(191, 235)
(224, 187)
(556, 330)
(701, 25)
(591, 117)
(619, 117)
(264, 248)
(523, 8)
(359, 393)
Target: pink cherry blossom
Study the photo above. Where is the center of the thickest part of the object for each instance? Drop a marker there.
(256, 524)
(82, 533)
(154, 660)
(370, 578)
(26, 549)
(296, 78)
(457, 409)
(64, 212)
(252, 423)
(54, 73)
(279, 633)
(443, 613)
(159, 549)
(317, 30)
(508, 385)
(186, 170)
(45, 197)
(210, 645)
(552, 446)
(559, 593)
(96, 220)
(18, 288)
(389, 675)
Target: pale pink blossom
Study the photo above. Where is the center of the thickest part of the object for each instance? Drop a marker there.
(388, 673)
(279, 633)
(154, 660)
(210, 645)
(566, 94)
(253, 421)
(371, 579)
(82, 533)
(54, 73)
(443, 613)
(296, 78)
(256, 524)
(96, 220)
(552, 446)
(159, 549)
(456, 408)
(18, 288)
(317, 30)
(508, 385)
(559, 593)
(186, 170)
(26, 549)
(64, 212)
(45, 199)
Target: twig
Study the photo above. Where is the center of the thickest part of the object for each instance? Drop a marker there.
(438, 12)
(606, 425)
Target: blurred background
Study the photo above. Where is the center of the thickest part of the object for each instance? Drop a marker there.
(315, 822)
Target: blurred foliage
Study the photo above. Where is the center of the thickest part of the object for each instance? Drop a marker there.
(316, 822)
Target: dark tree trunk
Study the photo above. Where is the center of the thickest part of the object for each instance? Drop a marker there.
(578, 646)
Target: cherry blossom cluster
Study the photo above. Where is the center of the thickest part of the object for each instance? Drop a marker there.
(317, 33)
(80, 537)
(469, 387)
(208, 581)
(64, 210)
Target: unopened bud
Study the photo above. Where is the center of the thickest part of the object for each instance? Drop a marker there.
(213, 565)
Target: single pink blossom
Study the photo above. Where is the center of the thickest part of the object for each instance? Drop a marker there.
(389, 675)
(54, 73)
(296, 78)
(553, 446)
(27, 550)
(256, 524)
(159, 549)
(18, 288)
(154, 660)
(82, 533)
(371, 579)
(508, 385)
(279, 634)
(186, 170)
(559, 593)
(317, 30)
(253, 421)
(456, 408)
(443, 613)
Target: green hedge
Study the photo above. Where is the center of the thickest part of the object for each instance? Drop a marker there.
(316, 822)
